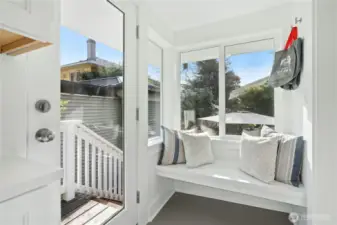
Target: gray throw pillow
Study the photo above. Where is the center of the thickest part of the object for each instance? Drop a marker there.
(289, 157)
(173, 149)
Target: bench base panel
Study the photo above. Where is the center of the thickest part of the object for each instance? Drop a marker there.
(214, 193)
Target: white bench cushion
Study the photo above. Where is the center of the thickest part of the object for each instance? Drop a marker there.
(227, 176)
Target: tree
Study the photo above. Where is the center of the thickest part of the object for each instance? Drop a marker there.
(200, 92)
(256, 99)
(110, 71)
(259, 99)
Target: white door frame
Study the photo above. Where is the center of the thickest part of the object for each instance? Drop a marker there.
(142, 104)
(129, 214)
(322, 188)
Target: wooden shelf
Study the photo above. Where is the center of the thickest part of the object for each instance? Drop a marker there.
(15, 44)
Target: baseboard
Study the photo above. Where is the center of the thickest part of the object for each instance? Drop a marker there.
(158, 204)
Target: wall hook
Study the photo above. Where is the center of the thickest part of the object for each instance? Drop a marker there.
(298, 20)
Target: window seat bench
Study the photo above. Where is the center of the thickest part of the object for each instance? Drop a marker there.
(223, 180)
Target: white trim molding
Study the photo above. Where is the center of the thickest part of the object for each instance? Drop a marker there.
(322, 189)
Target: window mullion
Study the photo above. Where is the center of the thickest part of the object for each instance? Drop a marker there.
(222, 92)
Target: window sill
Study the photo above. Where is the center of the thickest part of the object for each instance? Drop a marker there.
(155, 141)
(230, 138)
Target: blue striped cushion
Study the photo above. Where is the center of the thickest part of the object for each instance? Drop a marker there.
(289, 156)
(173, 149)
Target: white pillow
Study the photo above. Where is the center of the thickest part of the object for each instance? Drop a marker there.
(254, 133)
(198, 149)
(258, 157)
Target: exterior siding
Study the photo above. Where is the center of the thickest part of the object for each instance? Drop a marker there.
(154, 118)
(103, 115)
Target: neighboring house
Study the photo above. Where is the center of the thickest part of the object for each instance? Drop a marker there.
(98, 102)
(72, 71)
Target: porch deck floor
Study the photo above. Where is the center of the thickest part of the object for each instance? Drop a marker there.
(87, 210)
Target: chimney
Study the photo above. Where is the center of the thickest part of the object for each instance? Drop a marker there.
(91, 48)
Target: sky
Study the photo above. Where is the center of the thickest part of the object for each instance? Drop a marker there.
(74, 49)
(250, 66)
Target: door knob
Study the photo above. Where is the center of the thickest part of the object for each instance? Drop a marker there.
(44, 135)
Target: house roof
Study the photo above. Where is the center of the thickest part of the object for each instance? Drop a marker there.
(118, 82)
(97, 61)
(106, 81)
(100, 86)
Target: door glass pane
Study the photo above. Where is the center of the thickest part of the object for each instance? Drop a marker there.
(200, 90)
(154, 89)
(249, 99)
(91, 108)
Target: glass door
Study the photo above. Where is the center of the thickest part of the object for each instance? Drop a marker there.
(98, 113)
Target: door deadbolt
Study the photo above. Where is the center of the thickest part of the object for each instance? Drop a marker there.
(43, 106)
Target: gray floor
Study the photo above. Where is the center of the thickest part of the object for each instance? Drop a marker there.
(192, 210)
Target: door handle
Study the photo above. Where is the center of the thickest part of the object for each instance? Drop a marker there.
(44, 135)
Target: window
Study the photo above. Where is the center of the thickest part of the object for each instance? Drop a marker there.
(200, 90)
(78, 76)
(240, 100)
(154, 89)
(249, 98)
(72, 77)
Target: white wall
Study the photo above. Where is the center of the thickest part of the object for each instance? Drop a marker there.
(159, 189)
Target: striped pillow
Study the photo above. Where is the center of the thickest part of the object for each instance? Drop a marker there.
(289, 157)
(173, 149)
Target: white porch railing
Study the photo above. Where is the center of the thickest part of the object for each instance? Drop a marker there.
(91, 164)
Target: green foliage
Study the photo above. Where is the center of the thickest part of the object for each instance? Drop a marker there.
(63, 105)
(259, 99)
(111, 71)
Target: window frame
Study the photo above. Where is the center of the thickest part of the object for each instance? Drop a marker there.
(159, 138)
(276, 35)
